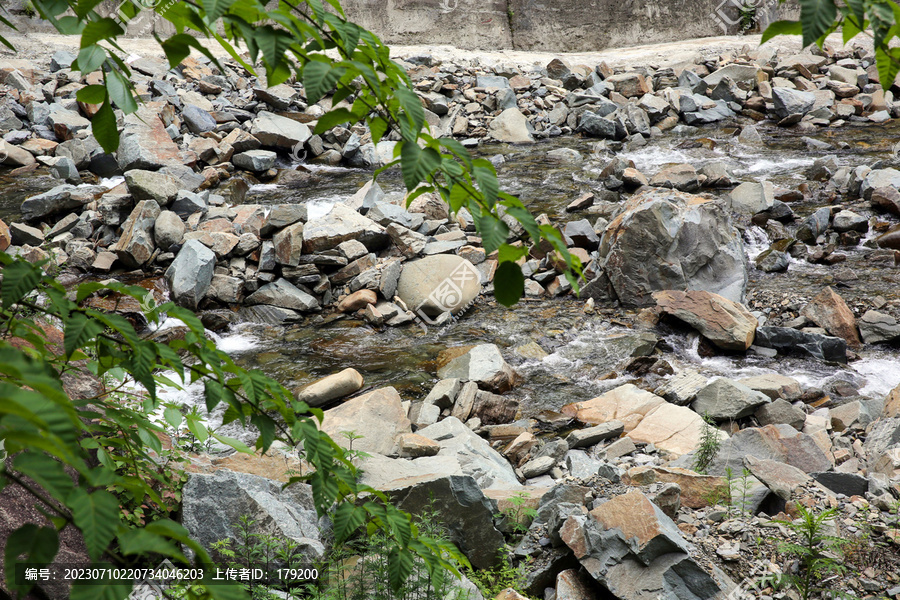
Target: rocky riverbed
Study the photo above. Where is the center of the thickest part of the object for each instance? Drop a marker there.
(737, 216)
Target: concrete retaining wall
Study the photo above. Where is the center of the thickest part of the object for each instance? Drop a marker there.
(549, 25)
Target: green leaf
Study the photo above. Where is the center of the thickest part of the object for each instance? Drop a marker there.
(781, 28)
(333, 118)
(888, 62)
(227, 592)
(236, 444)
(120, 91)
(141, 541)
(99, 30)
(816, 16)
(104, 128)
(417, 164)
(378, 127)
(319, 78)
(196, 427)
(347, 518)
(849, 30)
(39, 544)
(79, 330)
(857, 10)
(215, 9)
(173, 416)
(493, 231)
(92, 94)
(48, 473)
(414, 111)
(400, 565)
(19, 279)
(96, 515)
(509, 283)
(89, 59)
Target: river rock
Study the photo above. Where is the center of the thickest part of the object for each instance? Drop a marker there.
(257, 161)
(14, 156)
(190, 274)
(275, 131)
(358, 300)
(647, 418)
(790, 102)
(332, 387)
(339, 225)
(283, 294)
(725, 323)
(379, 417)
(849, 484)
(829, 311)
(780, 411)
(150, 185)
(594, 435)
(212, 505)
(168, 230)
(697, 490)
(886, 199)
(779, 477)
(198, 120)
(5, 236)
(877, 327)
(752, 197)
(630, 85)
(145, 143)
(789, 341)
(463, 507)
(599, 126)
(879, 178)
(482, 364)
(725, 400)
(66, 123)
(669, 240)
(438, 284)
(136, 245)
(474, 454)
(21, 234)
(289, 245)
(884, 435)
(511, 127)
(814, 225)
(681, 177)
(60, 198)
(774, 385)
(780, 443)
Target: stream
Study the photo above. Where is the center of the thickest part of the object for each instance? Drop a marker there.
(585, 353)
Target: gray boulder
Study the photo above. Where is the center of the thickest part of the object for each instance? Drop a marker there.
(669, 240)
(168, 230)
(255, 160)
(283, 294)
(340, 225)
(191, 273)
(793, 341)
(213, 504)
(58, 199)
(150, 185)
(792, 102)
(877, 327)
(136, 245)
(198, 120)
(276, 131)
(511, 126)
(483, 364)
(438, 284)
(725, 400)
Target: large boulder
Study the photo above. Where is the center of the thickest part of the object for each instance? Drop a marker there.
(145, 143)
(168, 230)
(150, 185)
(482, 364)
(474, 454)
(284, 294)
(191, 273)
(726, 400)
(511, 126)
(794, 341)
(136, 245)
(829, 311)
(61, 198)
(725, 323)
(213, 504)
(647, 418)
(668, 240)
(379, 417)
(438, 284)
(790, 102)
(276, 131)
(463, 509)
(339, 225)
(697, 490)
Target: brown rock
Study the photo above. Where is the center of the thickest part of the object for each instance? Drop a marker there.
(136, 245)
(412, 445)
(5, 236)
(358, 300)
(494, 409)
(779, 477)
(829, 311)
(892, 403)
(14, 156)
(571, 586)
(289, 245)
(651, 532)
(887, 199)
(332, 387)
(725, 323)
(696, 490)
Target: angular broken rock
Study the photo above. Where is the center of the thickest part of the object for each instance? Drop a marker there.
(136, 245)
(191, 273)
(723, 322)
(284, 294)
(482, 364)
(724, 400)
(378, 417)
(829, 311)
(339, 225)
(697, 491)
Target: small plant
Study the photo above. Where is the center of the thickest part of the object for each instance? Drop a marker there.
(352, 436)
(815, 553)
(709, 446)
(505, 575)
(747, 13)
(518, 515)
(738, 487)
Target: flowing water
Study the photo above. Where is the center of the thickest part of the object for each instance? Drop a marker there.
(585, 353)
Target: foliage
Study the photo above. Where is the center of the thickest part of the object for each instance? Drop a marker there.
(518, 516)
(815, 552)
(289, 40)
(70, 453)
(747, 12)
(875, 18)
(737, 491)
(709, 446)
(505, 575)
